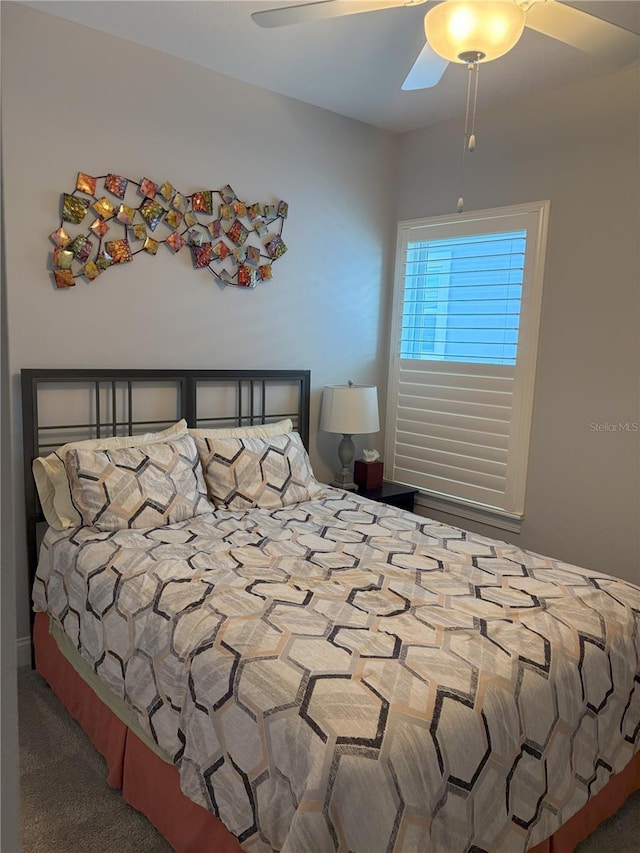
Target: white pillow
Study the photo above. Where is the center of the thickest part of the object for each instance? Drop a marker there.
(257, 431)
(51, 477)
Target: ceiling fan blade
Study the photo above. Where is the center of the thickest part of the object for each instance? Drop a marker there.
(600, 38)
(426, 70)
(321, 9)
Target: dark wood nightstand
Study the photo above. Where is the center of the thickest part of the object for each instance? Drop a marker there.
(394, 494)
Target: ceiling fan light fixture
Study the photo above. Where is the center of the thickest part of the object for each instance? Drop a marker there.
(474, 30)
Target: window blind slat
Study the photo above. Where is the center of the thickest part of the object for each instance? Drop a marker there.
(449, 488)
(441, 474)
(462, 458)
(482, 426)
(498, 279)
(430, 430)
(464, 335)
(453, 414)
(439, 394)
(484, 430)
(490, 376)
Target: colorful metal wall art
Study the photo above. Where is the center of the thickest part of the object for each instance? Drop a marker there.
(108, 220)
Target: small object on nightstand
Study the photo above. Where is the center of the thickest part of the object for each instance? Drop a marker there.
(368, 475)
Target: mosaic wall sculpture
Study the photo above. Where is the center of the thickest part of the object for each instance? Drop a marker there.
(108, 220)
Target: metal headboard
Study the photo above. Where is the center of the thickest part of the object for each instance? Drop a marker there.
(254, 397)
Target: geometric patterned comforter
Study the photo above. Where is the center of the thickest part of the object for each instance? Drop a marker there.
(343, 675)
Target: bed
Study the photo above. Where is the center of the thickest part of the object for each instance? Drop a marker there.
(287, 666)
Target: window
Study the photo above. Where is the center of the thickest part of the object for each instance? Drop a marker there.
(465, 326)
(462, 298)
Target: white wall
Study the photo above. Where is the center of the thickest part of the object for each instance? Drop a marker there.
(75, 99)
(580, 148)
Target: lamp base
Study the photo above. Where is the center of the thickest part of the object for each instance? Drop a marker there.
(344, 480)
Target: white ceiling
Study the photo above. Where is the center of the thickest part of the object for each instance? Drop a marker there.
(353, 65)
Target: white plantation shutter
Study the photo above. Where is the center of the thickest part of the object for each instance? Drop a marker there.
(465, 326)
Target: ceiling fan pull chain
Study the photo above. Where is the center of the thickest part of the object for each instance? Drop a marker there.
(460, 206)
(469, 140)
(472, 137)
(467, 114)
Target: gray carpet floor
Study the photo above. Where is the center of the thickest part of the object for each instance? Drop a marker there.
(67, 807)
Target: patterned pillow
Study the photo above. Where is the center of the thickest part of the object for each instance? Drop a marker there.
(52, 481)
(257, 472)
(147, 486)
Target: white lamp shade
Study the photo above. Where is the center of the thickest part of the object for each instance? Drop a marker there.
(350, 409)
(458, 29)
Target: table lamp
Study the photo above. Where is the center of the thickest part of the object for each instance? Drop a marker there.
(348, 410)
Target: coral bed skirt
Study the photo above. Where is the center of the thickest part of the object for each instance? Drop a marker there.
(152, 786)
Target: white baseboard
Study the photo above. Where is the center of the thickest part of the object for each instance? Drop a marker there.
(23, 651)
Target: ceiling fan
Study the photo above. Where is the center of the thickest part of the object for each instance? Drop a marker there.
(606, 41)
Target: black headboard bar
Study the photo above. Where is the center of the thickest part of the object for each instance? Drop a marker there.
(186, 383)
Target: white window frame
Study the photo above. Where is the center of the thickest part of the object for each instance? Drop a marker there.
(533, 216)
